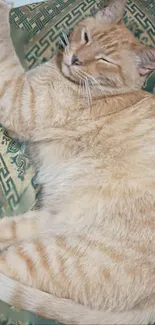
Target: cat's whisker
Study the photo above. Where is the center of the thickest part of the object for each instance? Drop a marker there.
(65, 36)
(94, 81)
(85, 87)
(88, 93)
(62, 43)
(80, 88)
(65, 42)
(67, 50)
(83, 80)
(85, 83)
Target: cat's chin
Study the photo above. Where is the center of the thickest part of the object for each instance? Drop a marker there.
(67, 73)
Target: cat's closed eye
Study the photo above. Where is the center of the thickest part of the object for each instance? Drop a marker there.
(101, 58)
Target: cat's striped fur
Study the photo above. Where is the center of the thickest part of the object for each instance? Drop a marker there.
(91, 246)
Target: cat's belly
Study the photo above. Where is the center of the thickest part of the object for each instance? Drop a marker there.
(108, 208)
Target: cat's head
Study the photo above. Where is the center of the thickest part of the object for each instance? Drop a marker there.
(103, 53)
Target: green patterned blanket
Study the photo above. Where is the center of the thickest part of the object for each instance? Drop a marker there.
(36, 31)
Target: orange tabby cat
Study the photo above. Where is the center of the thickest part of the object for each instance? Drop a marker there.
(91, 246)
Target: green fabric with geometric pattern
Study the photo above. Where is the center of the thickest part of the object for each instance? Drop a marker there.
(17, 181)
(36, 31)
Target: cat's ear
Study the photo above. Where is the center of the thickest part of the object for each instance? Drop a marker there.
(145, 59)
(113, 12)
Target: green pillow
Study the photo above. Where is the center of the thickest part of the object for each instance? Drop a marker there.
(17, 182)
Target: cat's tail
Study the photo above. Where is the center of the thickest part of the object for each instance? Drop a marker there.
(64, 310)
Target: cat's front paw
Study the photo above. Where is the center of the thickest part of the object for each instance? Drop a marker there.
(4, 19)
(5, 5)
(4, 10)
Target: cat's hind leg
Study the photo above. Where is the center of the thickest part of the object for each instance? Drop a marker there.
(43, 261)
(65, 265)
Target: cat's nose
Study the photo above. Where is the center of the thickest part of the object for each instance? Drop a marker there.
(75, 60)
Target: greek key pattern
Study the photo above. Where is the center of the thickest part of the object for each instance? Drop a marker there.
(142, 19)
(7, 185)
(149, 4)
(36, 16)
(17, 191)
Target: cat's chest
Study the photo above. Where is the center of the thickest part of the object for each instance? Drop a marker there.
(127, 154)
(120, 152)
